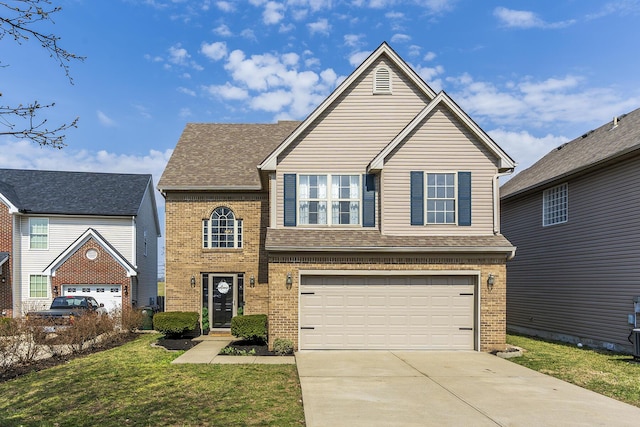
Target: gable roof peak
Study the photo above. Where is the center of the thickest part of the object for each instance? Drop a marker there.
(270, 162)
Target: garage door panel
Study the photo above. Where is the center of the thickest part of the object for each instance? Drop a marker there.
(421, 312)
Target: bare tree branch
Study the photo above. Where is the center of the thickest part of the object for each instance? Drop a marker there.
(17, 21)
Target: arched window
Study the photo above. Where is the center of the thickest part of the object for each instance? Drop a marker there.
(222, 230)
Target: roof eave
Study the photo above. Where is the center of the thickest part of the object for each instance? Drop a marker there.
(210, 188)
(509, 250)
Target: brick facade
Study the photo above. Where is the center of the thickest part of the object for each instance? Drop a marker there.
(6, 245)
(78, 269)
(185, 256)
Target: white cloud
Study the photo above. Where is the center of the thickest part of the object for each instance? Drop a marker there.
(178, 55)
(105, 120)
(353, 40)
(24, 154)
(274, 83)
(400, 38)
(273, 13)
(429, 56)
(525, 19)
(228, 92)
(394, 15)
(248, 34)
(358, 58)
(321, 26)
(223, 31)
(215, 51)
(226, 6)
(186, 91)
(525, 148)
(184, 113)
(549, 103)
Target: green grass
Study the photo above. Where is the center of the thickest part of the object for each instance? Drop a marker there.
(605, 372)
(135, 385)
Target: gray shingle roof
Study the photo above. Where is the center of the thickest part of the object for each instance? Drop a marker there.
(74, 193)
(593, 149)
(222, 155)
(373, 241)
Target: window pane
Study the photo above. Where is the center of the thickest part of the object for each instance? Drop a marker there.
(38, 286)
(38, 233)
(441, 193)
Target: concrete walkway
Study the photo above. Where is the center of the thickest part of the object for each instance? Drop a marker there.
(382, 388)
(207, 352)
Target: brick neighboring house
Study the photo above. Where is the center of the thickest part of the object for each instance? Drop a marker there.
(372, 224)
(76, 233)
(574, 217)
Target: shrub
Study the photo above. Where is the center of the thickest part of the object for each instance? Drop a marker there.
(176, 323)
(252, 327)
(282, 346)
(205, 319)
(132, 318)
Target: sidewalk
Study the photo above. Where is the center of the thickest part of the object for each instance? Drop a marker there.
(207, 352)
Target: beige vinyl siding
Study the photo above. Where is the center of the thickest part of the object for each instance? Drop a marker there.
(577, 278)
(350, 133)
(439, 144)
(63, 231)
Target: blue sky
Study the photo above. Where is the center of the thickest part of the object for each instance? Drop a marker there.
(533, 74)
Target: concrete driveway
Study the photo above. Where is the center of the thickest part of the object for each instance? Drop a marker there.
(401, 388)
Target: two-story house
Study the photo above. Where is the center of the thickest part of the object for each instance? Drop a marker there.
(372, 224)
(76, 233)
(574, 217)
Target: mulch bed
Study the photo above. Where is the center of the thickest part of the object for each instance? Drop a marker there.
(177, 343)
(247, 346)
(17, 370)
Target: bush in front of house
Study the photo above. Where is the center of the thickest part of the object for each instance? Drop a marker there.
(282, 346)
(176, 323)
(251, 327)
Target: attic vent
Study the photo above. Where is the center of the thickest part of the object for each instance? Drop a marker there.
(382, 80)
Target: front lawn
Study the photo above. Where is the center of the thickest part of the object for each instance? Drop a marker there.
(135, 385)
(605, 372)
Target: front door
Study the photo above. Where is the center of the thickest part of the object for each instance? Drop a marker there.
(220, 290)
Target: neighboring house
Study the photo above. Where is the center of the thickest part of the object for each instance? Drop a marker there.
(574, 218)
(372, 224)
(76, 233)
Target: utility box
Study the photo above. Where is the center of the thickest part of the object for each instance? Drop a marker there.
(635, 342)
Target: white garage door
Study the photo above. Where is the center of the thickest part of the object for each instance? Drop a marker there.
(109, 295)
(387, 312)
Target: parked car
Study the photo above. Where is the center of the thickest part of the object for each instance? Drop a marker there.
(65, 309)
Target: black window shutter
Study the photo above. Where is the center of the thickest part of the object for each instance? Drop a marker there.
(464, 198)
(417, 198)
(290, 200)
(368, 200)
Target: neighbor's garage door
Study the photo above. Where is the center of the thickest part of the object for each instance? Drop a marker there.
(387, 312)
(109, 295)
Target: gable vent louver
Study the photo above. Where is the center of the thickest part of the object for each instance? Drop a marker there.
(382, 81)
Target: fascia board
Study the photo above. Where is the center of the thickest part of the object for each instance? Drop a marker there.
(13, 209)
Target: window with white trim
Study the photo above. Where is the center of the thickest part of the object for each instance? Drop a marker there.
(318, 193)
(38, 286)
(441, 198)
(555, 205)
(222, 229)
(38, 233)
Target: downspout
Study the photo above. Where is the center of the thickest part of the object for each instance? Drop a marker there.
(496, 200)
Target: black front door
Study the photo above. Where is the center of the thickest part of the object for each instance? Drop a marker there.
(222, 294)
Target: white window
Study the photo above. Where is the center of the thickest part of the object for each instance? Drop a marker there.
(38, 286)
(38, 233)
(441, 198)
(222, 230)
(315, 198)
(555, 206)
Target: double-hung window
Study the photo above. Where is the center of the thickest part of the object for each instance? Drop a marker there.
(38, 286)
(38, 233)
(555, 205)
(319, 193)
(222, 230)
(441, 198)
